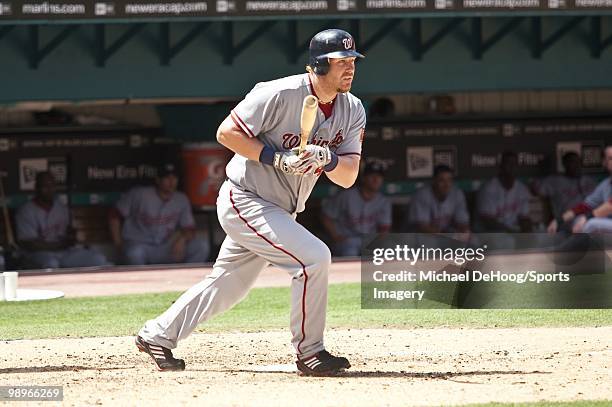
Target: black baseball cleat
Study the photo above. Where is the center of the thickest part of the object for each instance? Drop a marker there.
(161, 356)
(322, 364)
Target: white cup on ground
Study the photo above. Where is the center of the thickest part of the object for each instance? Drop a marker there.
(10, 285)
(2, 296)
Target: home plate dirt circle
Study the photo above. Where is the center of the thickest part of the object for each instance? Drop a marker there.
(390, 367)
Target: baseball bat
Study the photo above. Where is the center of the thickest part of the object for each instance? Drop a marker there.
(309, 114)
(8, 228)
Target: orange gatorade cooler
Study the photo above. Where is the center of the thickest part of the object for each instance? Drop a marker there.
(204, 169)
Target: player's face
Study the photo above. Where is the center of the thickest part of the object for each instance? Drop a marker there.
(608, 159)
(443, 183)
(46, 188)
(509, 165)
(373, 182)
(168, 183)
(572, 165)
(341, 73)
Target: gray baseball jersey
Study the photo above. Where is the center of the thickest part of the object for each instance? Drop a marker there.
(353, 215)
(601, 194)
(425, 208)
(271, 112)
(505, 205)
(35, 222)
(149, 219)
(565, 192)
(257, 208)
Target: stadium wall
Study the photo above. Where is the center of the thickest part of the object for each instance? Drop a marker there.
(69, 71)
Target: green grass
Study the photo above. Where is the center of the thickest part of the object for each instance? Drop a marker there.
(588, 403)
(264, 308)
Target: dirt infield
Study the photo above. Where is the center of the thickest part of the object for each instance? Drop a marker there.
(390, 367)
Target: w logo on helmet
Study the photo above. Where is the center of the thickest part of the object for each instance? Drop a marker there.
(348, 43)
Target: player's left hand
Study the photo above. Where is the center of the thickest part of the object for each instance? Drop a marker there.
(553, 227)
(178, 249)
(312, 158)
(579, 224)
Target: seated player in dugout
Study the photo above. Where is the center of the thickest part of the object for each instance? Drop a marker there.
(155, 225)
(45, 234)
(439, 207)
(566, 190)
(594, 213)
(357, 211)
(502, 204)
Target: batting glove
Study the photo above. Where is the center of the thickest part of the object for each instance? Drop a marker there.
(288, 162)
(313, 158)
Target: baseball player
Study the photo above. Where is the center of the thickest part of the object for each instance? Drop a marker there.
(593, 214)
(439, 207)
(44, 232)
(351, 213)
(158, 226)
(566, 190)
(268, 184)
(503, 202)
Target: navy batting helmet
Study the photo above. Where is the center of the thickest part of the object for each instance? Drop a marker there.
(331, 43)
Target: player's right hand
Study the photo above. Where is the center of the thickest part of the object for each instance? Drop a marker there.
(313, 158)
(579, 224)
(288, 162)
(553, 226)
(179, 248)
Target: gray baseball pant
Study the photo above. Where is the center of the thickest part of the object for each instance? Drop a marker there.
(258, 233)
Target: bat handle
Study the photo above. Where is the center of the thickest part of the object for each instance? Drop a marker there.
(309, 111)
(303, 143)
